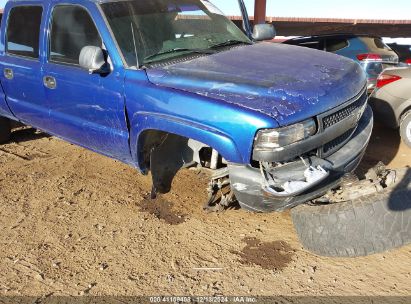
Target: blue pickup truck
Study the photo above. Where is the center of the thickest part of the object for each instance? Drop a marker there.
(167, 84)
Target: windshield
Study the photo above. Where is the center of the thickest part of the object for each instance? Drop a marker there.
(149, 31)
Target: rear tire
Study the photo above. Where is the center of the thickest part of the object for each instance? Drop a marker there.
(405, 128)
(5, 130)
(368, 225)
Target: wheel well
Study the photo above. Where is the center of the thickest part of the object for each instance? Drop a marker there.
(408, 109)
(164, 154)
(148, 140)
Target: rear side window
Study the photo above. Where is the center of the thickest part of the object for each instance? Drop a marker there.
(72, 29)
(23, 31)
(336, 44)
(380, 44)
(373, 43)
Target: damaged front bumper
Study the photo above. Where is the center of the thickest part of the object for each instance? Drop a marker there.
(250, 186)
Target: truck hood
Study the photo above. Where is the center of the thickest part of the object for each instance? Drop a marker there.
(287, 83)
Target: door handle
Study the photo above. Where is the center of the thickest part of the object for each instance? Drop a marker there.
(49, 82)
(8, 73)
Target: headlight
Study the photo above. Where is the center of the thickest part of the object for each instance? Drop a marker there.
(271, 139)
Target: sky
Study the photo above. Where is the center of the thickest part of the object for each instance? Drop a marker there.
(345, 9)
(351, 9)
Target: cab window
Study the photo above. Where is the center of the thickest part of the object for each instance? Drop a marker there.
(72, 29)
(23, 31)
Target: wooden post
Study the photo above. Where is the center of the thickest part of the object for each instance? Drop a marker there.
(260, 8)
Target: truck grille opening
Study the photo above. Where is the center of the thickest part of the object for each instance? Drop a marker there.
(336, 117)
(333, 145)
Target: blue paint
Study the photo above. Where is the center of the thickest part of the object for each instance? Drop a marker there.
(229, 128)
(221, 100)
(285, 82)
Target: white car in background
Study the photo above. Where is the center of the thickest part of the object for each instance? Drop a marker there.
(391, 100)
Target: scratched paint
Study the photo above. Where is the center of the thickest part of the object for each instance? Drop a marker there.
(285, 82)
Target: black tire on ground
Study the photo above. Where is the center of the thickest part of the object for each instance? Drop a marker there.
(5, 129)
(371, 224)
(405, 128)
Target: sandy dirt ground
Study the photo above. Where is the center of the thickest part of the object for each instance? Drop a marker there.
(76, 223)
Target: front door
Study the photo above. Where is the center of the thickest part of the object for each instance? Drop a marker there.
(86, 109)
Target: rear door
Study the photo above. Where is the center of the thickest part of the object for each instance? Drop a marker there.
(86, 109)
(20, 66)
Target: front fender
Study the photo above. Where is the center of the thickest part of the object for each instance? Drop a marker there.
(226, 127)
(145, 121)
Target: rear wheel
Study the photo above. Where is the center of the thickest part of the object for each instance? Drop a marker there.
(5, 129)
(405, 128)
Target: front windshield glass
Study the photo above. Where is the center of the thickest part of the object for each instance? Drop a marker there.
(150, 31)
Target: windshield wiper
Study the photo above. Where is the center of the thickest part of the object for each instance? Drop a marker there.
(177, 50)
(228, 43)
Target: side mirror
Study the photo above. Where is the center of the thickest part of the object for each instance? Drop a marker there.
(92, 59)
(263, 32)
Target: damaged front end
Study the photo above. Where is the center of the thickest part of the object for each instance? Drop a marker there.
(291, 165)
(299, 172)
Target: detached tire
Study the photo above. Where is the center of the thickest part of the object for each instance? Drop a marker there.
(405, 128)
(371, 224)
(5, 130)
